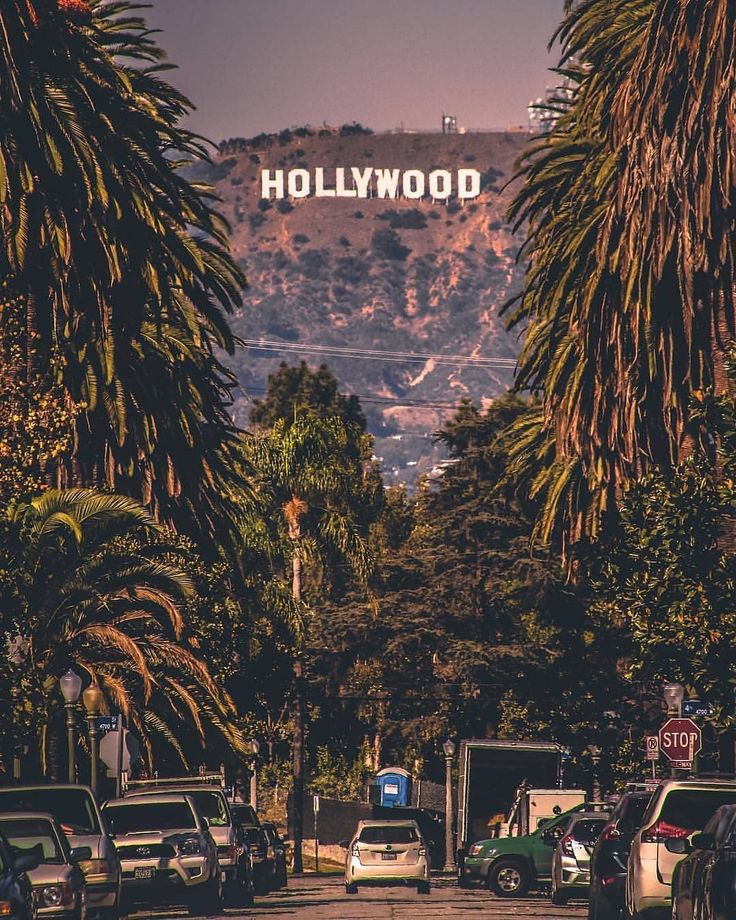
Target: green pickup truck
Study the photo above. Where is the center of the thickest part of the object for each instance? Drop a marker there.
(512, 866)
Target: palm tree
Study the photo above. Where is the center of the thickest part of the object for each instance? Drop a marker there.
(94, 587)
(629, 294)
(306, 483)
(115, 254)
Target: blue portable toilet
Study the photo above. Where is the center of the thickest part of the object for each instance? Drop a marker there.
(395, 786)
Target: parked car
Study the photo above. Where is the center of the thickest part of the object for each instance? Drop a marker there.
(387, 853)
(280, 877)
(512, 866)
(16, 894)
(166, 851)
(232, 852)
(78, 814)
(57, 881)
(704, 882)
(244, 814)
(257, 841)
(607, 894)
(678, 809)
(571, 856)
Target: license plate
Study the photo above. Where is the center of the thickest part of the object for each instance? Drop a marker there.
(143, 873)
(388, 855)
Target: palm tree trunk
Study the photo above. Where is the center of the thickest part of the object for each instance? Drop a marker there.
(297, 749)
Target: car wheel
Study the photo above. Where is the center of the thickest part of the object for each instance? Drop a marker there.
(509, 878)
(558, 897)
(351, 888)
(206, 900)
(423, 888)
(600, 908)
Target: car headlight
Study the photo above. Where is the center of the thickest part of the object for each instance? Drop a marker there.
(54, 895)
(95, 866)
(192, 846)
(477, 849)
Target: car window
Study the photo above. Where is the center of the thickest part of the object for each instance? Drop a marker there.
(388, 834)
(692, 808)
(72, 808)
(211, 805)
(587, 830)
(253, 835)
(26, 834)
(244, 814)
(632, 812)
(149, 816)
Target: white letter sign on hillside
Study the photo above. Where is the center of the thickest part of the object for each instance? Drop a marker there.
(439, 184)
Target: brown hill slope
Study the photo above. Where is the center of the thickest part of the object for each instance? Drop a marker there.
(393, 275)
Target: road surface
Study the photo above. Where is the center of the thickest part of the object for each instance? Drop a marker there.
(311, 898)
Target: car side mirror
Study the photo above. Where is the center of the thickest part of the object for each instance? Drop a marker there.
(343, 844)
(703, 841)
(26, 862)
(79, 854)
(680, 846)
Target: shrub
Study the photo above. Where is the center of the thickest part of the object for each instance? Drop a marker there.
(344, 241)
(284, 206)
(387, 243)
(254, 158)
(264, 204)
(300, 239)
(359, 215)
(412, 219)
(256, 220)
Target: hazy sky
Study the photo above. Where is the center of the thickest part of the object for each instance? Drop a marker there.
(262, 65)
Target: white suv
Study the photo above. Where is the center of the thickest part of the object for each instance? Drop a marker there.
(677, 809)
(387, 853)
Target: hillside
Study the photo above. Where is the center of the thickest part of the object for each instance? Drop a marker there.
(395, 275)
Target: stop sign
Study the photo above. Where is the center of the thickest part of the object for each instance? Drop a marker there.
(679, 739)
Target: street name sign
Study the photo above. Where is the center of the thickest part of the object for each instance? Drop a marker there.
(652, 747)
(680, 741)
(107, 723)
(696, 708)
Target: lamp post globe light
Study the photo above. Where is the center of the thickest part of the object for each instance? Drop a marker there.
(92, 698)
(449, 750)
(673, 694)
(255, 746)
(71, 686)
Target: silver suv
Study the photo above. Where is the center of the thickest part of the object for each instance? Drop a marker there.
(166, 851)
(571, 858)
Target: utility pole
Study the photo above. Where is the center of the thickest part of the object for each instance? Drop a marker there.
(297, 753)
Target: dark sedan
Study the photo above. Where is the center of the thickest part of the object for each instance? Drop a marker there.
(16, 894)
(704, 882)
(610, 855)
(278, 847)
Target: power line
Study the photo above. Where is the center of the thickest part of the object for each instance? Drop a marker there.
(371, 354)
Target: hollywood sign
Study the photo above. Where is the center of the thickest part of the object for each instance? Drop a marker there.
(439, 184)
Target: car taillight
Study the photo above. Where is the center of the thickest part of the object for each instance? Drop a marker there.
(566, 845)
(609, 880)
(270, 853)
(662, 831)
(422, 851)
(610, 832)
(6, 908)
(355, 850)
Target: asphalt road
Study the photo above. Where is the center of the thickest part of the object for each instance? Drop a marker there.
(310, 898)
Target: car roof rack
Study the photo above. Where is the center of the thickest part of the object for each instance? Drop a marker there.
(157, 782)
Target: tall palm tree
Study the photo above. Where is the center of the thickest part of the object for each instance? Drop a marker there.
(629, 295)
(115, 253)
(306, 478)
(93, 589)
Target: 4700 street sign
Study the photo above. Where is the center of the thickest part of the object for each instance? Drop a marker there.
(679, 740)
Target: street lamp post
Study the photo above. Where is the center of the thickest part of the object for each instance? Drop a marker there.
(255, 747)
(71, 687)
(673, 695)
(92, 697)
(595, 754)
(449, 749)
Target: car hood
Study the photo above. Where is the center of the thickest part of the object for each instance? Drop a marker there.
(50, 874)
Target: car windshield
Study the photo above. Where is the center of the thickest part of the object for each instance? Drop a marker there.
(692, 808)
(211, 805)
(632, 812)
(387, 833)
(149, 816)
(244, 814)
(253, 835)
(72, 808)
(24, 834)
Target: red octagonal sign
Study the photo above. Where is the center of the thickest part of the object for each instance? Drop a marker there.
(679, 739)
